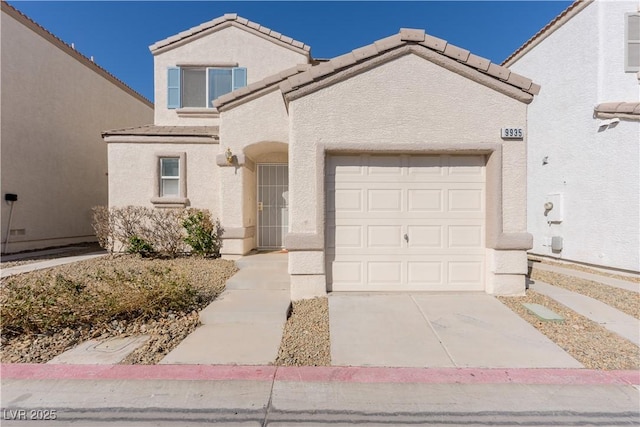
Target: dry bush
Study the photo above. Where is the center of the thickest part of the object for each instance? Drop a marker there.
(54, 301)
(165, 231)
(168, 232)
(103, 227)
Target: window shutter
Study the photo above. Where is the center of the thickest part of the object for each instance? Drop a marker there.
(173, 87)
(632, 42)
(239, 77)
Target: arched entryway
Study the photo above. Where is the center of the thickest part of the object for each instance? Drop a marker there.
(270, 192)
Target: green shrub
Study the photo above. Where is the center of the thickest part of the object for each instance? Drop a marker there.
(139, 246)
(203, 234)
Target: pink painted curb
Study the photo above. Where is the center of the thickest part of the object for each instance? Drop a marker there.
(319, 374)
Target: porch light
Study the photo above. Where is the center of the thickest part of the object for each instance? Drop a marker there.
(229, 155)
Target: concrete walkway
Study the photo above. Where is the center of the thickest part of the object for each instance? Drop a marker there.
(41, 265)
(626, 326)
(244, 325)
(436, 330)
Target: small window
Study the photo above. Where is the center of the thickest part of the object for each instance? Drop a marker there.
(632, 42)
(170, 177)
(197, 87)
(170, 183)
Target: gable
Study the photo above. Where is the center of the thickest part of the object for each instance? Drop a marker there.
(437, 51)
(406, 99)
(230, 19)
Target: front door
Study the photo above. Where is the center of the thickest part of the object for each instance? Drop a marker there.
(273, 205)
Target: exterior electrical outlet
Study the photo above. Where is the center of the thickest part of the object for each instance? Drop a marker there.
(556, 243)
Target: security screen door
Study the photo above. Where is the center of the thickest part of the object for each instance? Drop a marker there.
(273, 205)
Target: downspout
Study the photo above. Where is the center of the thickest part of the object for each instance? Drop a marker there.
(11, 198)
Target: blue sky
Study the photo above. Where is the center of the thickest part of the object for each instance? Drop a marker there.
(118, 33)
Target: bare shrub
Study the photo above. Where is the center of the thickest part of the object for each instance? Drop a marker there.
(147, 232)
(103, 227)
(166, 232)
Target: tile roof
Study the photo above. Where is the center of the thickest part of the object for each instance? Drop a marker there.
(628, 110)
(38, 29)
(555, 23)
(301, 75)
(236, 20)
(152, 130)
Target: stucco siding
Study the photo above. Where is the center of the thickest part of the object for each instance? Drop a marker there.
(409, 102)
(596, 170)
(54, 109)
(262, 120)
(133, 173)
(261, 57)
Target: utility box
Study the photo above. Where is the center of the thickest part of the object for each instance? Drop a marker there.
(553, 208)
(556, 243)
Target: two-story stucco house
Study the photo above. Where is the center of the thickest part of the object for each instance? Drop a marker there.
(584, 135)
(379, 170)
(55, 104)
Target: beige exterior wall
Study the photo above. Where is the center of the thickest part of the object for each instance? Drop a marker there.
(406, 105)
(228, 45)
(259, 132)
(54, 108)
(133, 173)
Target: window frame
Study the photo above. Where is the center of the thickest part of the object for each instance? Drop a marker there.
(628, 42)
(175, 92)
(164, 178)
(158, 198)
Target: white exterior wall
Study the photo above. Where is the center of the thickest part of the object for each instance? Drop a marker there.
(133, 173)
(412, 103)
(54, 109)
(580, 65)
(231, 44)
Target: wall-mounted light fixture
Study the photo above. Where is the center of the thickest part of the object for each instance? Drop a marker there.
(229, 155)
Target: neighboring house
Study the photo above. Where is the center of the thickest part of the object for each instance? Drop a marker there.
(584, 134)
(55, 104)
(382, 169)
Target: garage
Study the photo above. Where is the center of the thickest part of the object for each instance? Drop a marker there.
(405, 222)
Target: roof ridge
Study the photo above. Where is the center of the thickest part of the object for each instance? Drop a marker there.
(11, 10)
(299, 76)
(234, 18)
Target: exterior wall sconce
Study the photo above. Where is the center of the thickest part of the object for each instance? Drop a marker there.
(229, 156)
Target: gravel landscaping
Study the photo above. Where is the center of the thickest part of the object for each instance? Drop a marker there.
(305, 340)
(586, 341)
(578, 267)
(115, 280)
(621, 299)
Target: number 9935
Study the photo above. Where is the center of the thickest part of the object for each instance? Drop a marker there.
(512, 133)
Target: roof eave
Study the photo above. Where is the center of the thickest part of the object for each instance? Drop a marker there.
(572, 10)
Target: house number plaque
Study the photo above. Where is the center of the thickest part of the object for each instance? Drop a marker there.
(512, 133)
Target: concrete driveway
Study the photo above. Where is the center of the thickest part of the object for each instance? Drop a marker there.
(436, 330)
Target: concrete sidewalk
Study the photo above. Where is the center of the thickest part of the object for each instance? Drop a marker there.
(605, 280)
(278, 396)
(436, 330)
(244, 324)
(626, 326)
(41, 265)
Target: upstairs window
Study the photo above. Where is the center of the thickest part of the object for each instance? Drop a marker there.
(632, 42)
(197, 87)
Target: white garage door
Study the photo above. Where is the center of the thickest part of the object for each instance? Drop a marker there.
(405, 222)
